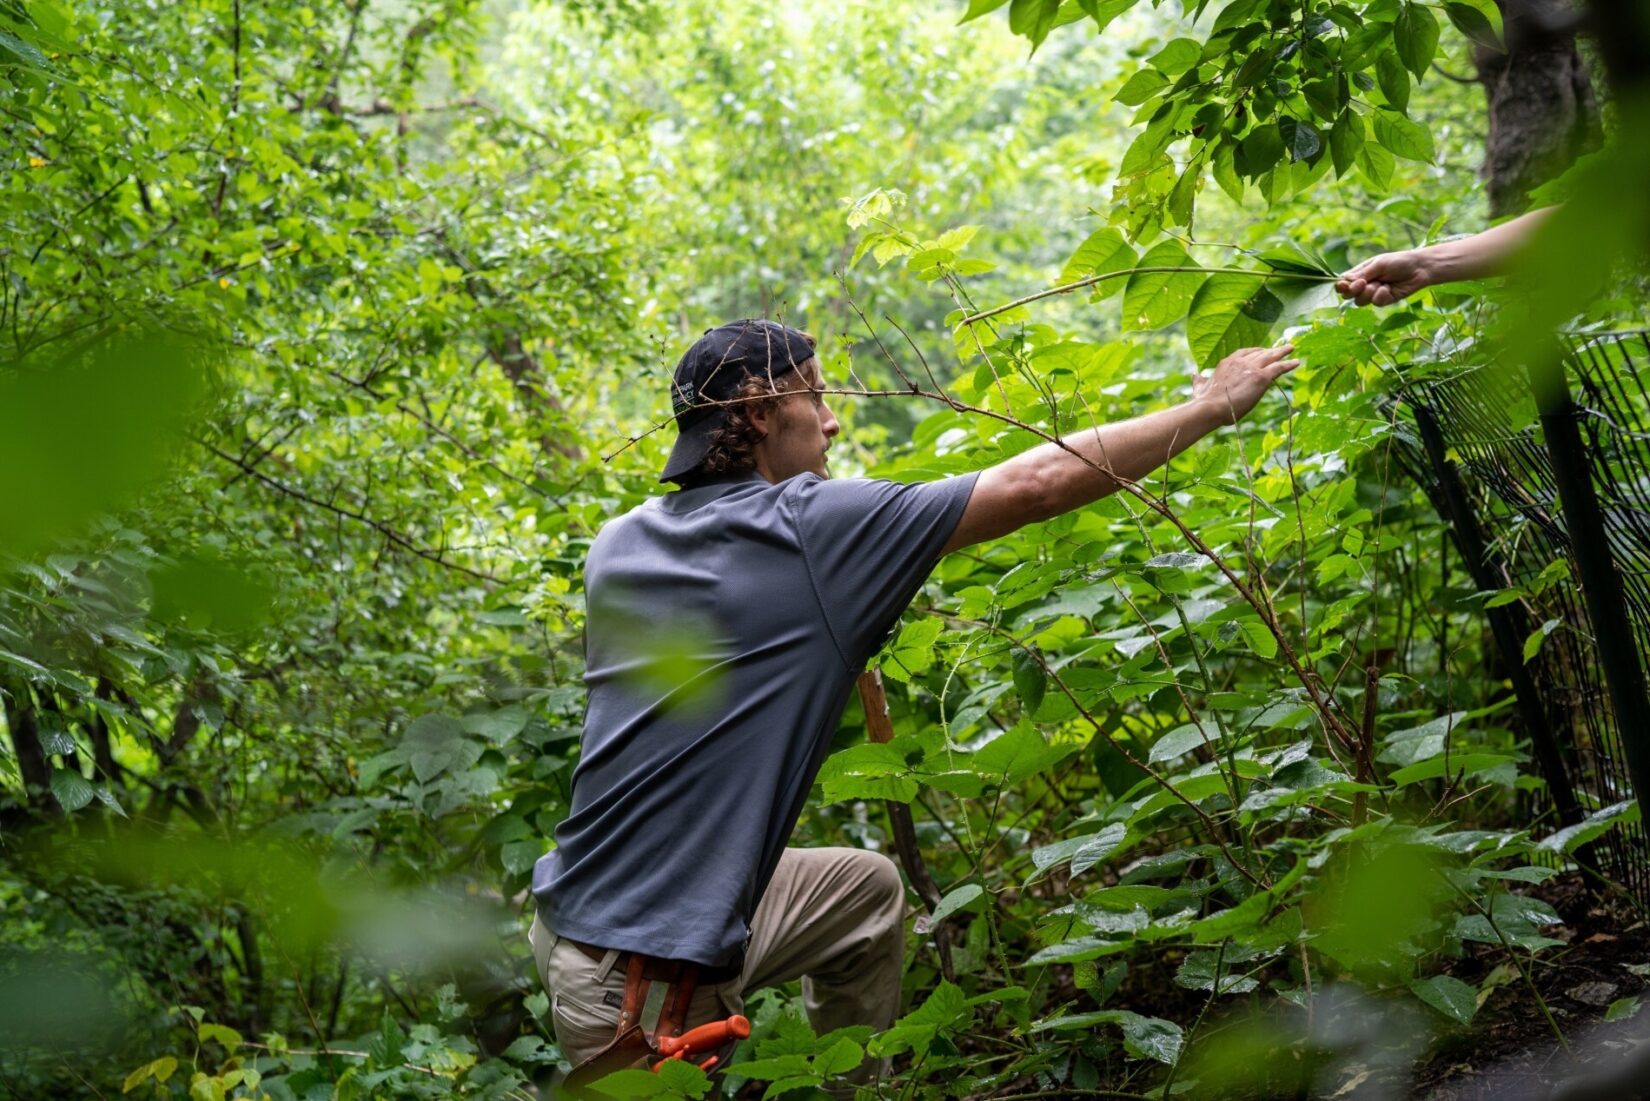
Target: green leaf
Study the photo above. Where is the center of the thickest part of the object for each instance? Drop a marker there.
(73, 791)
(519, 857)
(1179, 206)
(1082, 852)
(1416, 31)
(1179, 741)
(1376, 164)
(913, 650)
(685, 1078)
(1152, 300)
(1225, 171)
(1479, 20)
(1029, 680)
(1033, 19)
(786, 1085)
(775, 1067)
(1229, 312)
(1019, 754)
(840, 1058)
(498, 726)
(955, 900)
(1235, 14)
(20, 52)
(160, 1070)
(1393, 79)
(1326, 97)
(223, 1034)
(1458, 764)
(1198, 973)
(1261, 149)
(1300, 139)
(630, 1083)
(1176, 56)
(1346, 138)
(1102, 252)
(1404, 136)
(1623, 1008)
(977, 8)
(870, 770)
(1449, 996)
(1143, 85)
(1143, 1037)
(1571, 838)
(1260, 639)
(1532, 645)
(1104, 11)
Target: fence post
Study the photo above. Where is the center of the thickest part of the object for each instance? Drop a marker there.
(1618, 652)
(1510, 624)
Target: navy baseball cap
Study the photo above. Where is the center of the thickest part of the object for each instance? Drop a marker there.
(712, 371)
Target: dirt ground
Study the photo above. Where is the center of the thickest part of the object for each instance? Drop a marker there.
(1511, 1052)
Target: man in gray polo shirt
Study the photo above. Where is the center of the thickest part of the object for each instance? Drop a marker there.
(726, 623)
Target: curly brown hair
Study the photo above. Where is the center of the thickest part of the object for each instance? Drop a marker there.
(733, 446)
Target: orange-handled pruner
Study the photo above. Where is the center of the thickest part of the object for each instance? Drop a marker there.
(703, 1038)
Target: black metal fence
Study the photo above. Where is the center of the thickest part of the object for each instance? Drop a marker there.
(1537, 469)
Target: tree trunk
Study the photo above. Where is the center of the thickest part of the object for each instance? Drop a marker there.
(1541, 107)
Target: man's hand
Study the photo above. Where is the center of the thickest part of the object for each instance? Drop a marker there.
(1387, 278)
(1239, 380)
(1393, 276)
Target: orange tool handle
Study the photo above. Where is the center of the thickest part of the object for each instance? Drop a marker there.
(712, 1035)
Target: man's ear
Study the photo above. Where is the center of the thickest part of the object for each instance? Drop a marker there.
(761, 417)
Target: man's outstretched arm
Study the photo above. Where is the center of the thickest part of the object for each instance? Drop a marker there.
(1393, 276)
(1051, 478)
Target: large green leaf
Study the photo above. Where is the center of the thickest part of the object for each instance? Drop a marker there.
(977, 8)
(1416, 31)
(1228, 312)
(1479, 20)
(1346, 138)
(1019, 754)
(1449, 996)
(1151, 299)
(1143, 1037)
(73, 791)
(1102, 252)
(1404, 136)
(1176, 56)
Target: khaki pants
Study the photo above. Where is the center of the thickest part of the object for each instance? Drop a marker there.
(832, 917)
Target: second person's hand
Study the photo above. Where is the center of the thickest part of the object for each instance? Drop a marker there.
(1387, 278)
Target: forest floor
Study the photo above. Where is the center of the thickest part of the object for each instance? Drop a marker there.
(1510, 1052)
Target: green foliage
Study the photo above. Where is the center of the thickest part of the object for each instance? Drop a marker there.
(1269, 94)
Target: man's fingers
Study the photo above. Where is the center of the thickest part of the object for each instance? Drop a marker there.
(1261, 357)
(1284, 367)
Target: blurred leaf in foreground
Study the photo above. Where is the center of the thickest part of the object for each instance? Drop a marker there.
(80, 434)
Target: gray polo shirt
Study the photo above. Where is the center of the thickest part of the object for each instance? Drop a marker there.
(727, 623)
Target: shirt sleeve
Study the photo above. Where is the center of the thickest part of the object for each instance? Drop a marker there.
(869, 544)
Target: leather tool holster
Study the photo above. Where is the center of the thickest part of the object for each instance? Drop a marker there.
(632, 1047)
